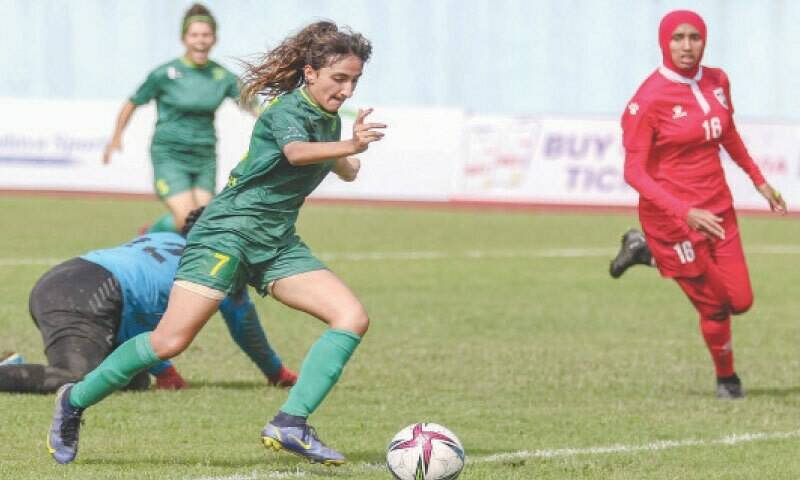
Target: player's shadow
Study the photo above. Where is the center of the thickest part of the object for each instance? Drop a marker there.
(777, 392)
(228, 384)
(185, 461)
(282, 466)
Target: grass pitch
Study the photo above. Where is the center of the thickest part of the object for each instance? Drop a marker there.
(506, 328)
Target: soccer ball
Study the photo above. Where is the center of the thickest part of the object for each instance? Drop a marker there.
(425, 451)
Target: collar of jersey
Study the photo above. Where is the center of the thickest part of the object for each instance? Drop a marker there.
(185, 60)
(676, 77)
(314, 104)
(692, 82)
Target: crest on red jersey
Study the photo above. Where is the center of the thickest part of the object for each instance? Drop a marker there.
(719, 93)
(678, 112)
(633, 107)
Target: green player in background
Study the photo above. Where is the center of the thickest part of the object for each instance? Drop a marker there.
(247, 236)
(187, 90)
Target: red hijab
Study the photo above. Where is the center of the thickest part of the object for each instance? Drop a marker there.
(668, 25)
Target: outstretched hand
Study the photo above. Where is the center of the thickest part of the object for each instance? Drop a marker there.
(113, 146)
(365, 133)
(776, 202)
(705, 222)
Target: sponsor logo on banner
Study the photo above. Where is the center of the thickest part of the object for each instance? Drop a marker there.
(544, 160)
(429, 155)
(47, 151)
(499, 154)
(589, 159)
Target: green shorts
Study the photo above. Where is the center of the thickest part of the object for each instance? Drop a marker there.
(226, 268)
(179, 169)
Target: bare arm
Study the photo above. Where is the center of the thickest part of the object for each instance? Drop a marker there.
(307, 153)
(347, 168)
(116, 140)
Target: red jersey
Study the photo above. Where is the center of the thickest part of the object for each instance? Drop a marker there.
(672, 131)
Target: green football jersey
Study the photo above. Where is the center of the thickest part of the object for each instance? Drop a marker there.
(264, 194)
(187, 95)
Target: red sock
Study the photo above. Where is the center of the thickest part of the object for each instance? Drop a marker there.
(717, 335)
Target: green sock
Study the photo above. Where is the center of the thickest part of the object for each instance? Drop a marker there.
(165, 223)
(115, 372)
(320, 371)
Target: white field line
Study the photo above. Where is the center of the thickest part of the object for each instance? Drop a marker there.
(726, 441)
(23, 262)
(444, 255)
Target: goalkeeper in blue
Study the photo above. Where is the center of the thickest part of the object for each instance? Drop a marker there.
(87, 306)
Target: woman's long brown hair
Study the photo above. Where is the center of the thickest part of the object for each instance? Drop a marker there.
(281, 69)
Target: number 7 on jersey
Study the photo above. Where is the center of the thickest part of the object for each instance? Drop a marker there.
(223, 259)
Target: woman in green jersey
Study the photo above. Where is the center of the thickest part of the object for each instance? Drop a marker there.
(187, 90)
(247, 236)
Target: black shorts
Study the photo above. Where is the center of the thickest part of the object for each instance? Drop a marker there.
(77, 307)
(77, 298)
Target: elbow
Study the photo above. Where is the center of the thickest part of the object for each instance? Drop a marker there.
(293, 154)
(293, 160)
(633, 173)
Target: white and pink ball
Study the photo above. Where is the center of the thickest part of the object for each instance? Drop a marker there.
(425, 451)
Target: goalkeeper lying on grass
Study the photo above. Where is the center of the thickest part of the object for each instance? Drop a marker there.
(87, 306)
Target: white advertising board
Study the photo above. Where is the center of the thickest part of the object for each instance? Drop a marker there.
(415, 161)
(427, 155)
(546, 160)
(580, 161)
(58, 145)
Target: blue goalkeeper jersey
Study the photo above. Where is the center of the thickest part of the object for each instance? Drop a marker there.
(145, 269)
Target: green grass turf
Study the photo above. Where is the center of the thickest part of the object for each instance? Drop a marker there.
(510, 350)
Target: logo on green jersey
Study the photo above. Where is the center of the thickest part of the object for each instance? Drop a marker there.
(218, 73)
(173, 73)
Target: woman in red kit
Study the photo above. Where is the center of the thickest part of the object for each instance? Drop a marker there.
(672, 132)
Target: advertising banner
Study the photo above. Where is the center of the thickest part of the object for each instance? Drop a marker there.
(775, 148)
(580, 161)
(415, 161)
(544, 160)
(58, 145)
(427, 155)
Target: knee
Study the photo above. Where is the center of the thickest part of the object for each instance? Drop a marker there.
(167, 346)
(713, 311)
(741, 303)
(353, 319)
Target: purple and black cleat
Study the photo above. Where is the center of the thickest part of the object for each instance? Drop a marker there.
(62, 439)
(301, 441)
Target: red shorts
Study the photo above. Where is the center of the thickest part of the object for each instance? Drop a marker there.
(681, 252)
(712, 272)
